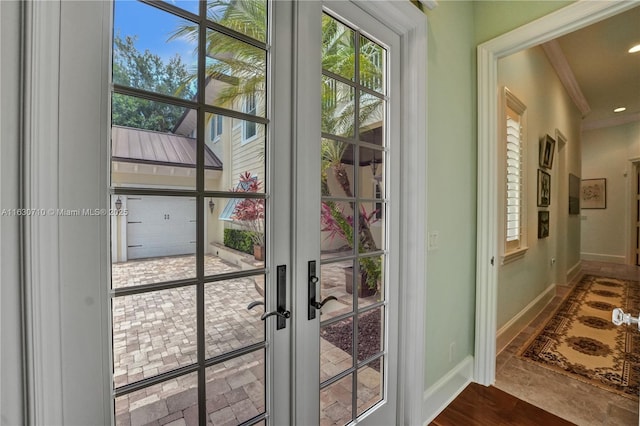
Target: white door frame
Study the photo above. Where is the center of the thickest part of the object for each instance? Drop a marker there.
(411, 25)
(568, 19)
(308, 198)
(58, 390)
(405, 20)
(631, 214)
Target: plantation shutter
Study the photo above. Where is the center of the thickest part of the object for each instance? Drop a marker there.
(514, 181)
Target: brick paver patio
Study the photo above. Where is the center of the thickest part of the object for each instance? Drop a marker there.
(156, 332)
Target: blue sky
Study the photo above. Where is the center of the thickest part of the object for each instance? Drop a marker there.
(153, 28)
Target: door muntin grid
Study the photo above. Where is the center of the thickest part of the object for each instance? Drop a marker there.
(176, 351)
(354, 148)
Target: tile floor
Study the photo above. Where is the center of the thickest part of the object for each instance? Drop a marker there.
(578, 402)
(155, 332)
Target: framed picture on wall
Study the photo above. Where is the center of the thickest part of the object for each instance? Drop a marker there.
(544, 188)
(594, 193)
(543, 224)
(574, 194)
(547, 149)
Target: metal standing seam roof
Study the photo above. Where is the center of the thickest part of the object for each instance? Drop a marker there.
(150, 147)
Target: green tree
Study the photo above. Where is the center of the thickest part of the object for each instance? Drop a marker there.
(147, 71)
(242, 67)
(237, 63)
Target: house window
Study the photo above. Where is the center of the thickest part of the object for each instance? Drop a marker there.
(230, 207)
(514, 177)
(249, 129)
(377, 193)
(216, 128)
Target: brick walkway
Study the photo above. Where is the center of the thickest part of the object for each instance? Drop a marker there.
(156, 332)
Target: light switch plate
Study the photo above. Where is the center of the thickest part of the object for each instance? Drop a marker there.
(433, 240)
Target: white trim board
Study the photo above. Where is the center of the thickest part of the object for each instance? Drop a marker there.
(609, 122)
(515, 325)
(445, 390)
(411, 24)
(42, 304)
(574, 272)
(570, 18)
(599, 257)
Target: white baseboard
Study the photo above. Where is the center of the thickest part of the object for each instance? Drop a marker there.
(515, 325)
(603, 258)
(574, 272)
(445, 390)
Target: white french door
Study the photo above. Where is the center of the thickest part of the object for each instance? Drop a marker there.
(345, 235)
(286, 309)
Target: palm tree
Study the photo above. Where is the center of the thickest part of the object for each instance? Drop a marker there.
(242, 67)
(235, 62)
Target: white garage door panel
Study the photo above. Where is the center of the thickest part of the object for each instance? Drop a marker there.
(160, 226)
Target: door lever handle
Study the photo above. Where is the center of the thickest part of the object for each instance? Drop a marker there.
(319, 305)
(254, 304)
(281, 298)
(281, 314)
(284, 315)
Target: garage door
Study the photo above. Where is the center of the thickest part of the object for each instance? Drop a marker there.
(160, 226)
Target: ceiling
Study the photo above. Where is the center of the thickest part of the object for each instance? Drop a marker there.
(607, 74)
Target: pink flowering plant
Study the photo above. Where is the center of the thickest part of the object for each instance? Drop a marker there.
(338, 224)
(249, 212)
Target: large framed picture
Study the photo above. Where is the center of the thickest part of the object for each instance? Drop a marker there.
(547, 149)
(574, 194)
(543, 224)
(544, 188)
(594, 194)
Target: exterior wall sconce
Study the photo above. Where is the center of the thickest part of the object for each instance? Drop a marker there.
(212, 205)
(118, 204)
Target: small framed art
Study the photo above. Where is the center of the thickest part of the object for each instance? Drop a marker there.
(543, 224)
(547, 149)
(544, 188)
(593, 194)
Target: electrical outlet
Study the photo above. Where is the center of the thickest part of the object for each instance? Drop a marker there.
(452, 351)
(553, 261)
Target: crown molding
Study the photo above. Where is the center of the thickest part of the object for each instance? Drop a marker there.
(429, 4)
(565, 73)
(610, 122)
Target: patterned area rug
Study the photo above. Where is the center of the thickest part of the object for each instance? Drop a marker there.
(581, 341)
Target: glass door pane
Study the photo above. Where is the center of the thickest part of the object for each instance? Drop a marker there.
(190, 179)
(353, 246)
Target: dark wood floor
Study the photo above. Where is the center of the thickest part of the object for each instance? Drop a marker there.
(480, 405)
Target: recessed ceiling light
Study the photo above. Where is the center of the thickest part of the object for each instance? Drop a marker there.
(635, 49)
(619, 109)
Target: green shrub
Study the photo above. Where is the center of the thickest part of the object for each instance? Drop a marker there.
(239, 240)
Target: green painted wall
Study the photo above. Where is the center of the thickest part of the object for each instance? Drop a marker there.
(532, 79)
(493, 18)
(454, 30)
(451, 186)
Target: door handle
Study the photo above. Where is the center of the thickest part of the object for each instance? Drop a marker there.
(618, 317)
(281, 311)
(319, 305)
(284, 314)
(312, 280)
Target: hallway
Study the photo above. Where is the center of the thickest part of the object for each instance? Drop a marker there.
(570, 399)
